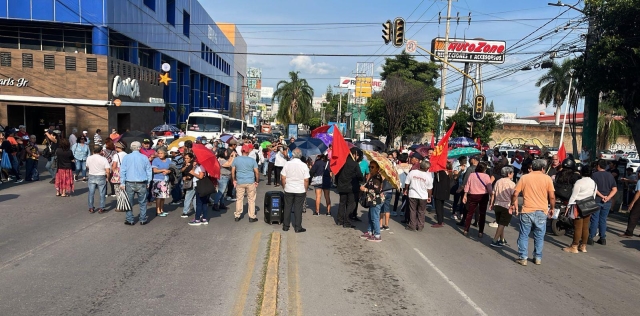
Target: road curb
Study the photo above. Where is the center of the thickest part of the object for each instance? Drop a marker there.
(270, 290)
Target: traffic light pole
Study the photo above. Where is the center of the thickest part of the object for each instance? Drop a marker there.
(590, 120)
(443, 79)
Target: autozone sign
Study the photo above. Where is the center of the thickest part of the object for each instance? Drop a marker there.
(350, 83)
(470, 50)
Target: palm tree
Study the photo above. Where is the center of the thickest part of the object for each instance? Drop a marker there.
(295, 99)
(555, 85)
(611, 124)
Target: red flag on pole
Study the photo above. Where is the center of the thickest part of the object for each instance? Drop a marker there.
(562, 153)
(439, 157)
(433, 141)
(321, 129)
(479, 143)
(339, 153)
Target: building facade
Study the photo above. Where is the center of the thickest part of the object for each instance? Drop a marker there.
(95, 64)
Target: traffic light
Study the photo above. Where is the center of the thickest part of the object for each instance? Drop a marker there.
(469, 128)
(478, 108)
(387, 31)
(398, 27)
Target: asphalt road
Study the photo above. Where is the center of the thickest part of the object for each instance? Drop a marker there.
(57, 259)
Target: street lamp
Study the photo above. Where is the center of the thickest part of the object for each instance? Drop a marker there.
(339, 105)
(560, 4)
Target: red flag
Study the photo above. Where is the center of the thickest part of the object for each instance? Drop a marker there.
(340, 151)
(479, 143)
(562, 153)
(439, 157)
(321, 129)
(433, 141)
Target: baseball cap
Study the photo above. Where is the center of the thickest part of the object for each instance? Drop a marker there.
(233, 142)
(247, 148)
(146, 141)
(180, 144)
(173, 149)
(84, 132)
(25, 137)
(417, 156)
(21, 126)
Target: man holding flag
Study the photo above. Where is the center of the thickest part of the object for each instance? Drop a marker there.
(348, 176)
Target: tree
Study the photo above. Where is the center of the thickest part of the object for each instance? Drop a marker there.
(295, 97)
(407, 67)
(490, 107)
(613, 62)
(314, 122)
(610, 124)
(555, 85)
(482, 129)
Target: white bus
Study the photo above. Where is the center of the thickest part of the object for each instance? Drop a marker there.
(207, 123)
(250, 130)
(234, 127)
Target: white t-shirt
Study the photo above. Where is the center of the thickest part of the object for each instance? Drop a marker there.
(280, 160)
(119, 157)
(97, 165)
(419, 183)
(296, 172)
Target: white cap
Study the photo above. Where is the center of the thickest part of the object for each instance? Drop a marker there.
(84, 132)
(181, 144)
(209, 146)
(173, 149)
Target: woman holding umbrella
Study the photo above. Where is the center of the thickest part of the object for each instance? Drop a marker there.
(321, 169)
(373, 191)
(160, 167)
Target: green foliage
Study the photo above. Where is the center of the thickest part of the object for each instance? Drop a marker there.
(483, 128)
(295, 97)
(555, 84)
(422, 119)
(376, 113)
(314, 122)
(490, 107)
(407, 67)
(610, 124)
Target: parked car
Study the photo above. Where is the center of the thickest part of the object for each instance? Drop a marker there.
(533, 150)
(633, 164)
(606, 155)
(621, 154)
(632, 155)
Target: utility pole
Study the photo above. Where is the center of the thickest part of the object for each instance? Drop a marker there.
(463, 97)
(443, 79)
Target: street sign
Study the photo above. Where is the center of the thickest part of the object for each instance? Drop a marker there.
(411, 47)
(478, 108)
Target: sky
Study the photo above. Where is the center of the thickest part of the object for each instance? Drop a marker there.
(318, 27)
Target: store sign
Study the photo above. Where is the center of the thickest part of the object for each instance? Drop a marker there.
(128, 87)
(470, 51)
(156, 100)
(350, 83)
(10, 82)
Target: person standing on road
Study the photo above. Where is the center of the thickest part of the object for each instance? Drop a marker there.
(295, 181)
(607, 189)
(473, 163)
(135, 176)
(500, 203)
(97, 139)
(51, 145)
(476, 196)
(115, 167)
(201, 207)
(634, 212)
(321, 169)
(187, 181)
(80, 153)
(538, 194)
(32, 157)
(245, 176)
(582, 189)
(345, 178)
(73, 139)
(441, 193)
(225, 175)
(161, 184)
(364, 168)
(10, 146)
(64, 175)
(280, 160)
(418, 187)
(99, 171)
(403, 168)
(458, 188)
(373, 191)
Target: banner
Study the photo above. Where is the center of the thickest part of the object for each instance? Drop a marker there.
(439, 157)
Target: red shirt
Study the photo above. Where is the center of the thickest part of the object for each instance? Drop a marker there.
(147, 152)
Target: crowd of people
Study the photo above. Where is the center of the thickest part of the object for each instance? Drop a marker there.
(154, 173)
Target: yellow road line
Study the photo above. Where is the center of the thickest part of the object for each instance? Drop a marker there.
(292, 277)
(270, 296)
(241, 296)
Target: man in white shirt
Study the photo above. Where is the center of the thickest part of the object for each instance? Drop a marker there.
(99, 170)
(418, 186)
(281, 159)
(295, 180)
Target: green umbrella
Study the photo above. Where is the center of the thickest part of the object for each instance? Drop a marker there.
(462, 151)
(264, 144)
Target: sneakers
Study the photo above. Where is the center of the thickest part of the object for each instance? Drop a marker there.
(522, 262)
(437, 225)
(204, 221)
(537, 261)
(163, 214)
(385, 227)
(175, 203)
(590, 242)
(222, 206)
(184, 215)
(602, 241)
(496, 244)
(455, 217)
(504, 242)
(215, 208)
(19, 180)
(195, 222)
(374, 239)
(231, 199)
(494, 224)
(366, 235)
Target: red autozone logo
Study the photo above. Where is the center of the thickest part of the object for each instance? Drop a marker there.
(352, 82)
(472, 46)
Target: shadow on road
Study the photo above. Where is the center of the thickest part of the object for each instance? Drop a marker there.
(633, 244)
(7, 197)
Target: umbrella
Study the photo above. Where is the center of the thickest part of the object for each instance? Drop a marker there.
(265, 144)
(386, 167)
(326, 138)
(462, 142)
(414, 146)
(207, 159)
(375, 145)
(129, 137)
(463, 151)
(309, 146)
(176, 142)
(123, 201)
(378, 144)
(422, 150)
(164, 128)
(226, 137)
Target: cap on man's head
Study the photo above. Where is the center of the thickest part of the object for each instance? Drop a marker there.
(84, 132)
(21, 126)
(146, 141)
(173, 149)
(233, 142)
(417, 156)
(247, 148)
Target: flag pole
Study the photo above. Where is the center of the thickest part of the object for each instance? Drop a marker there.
(566, 110)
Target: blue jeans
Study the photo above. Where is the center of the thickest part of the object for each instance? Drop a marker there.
(599, 221)
(538, 221)
(176, 191)
(31, 170)
(51, 166)
(141, 189)
(386, 206)
(201, 207)
(81, 168)
(374, 220)
(222, 186)
(99, 182)
(15, 166)
(189, 200)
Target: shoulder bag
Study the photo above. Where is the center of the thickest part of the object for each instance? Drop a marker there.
(484, 184)
(205, 186)
(588, 205)
(317, 180)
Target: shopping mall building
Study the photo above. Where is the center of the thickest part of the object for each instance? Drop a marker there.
(68, 63)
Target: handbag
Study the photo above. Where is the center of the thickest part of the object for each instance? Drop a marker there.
(205, 187)
(187, 184)
(587, 206)
(364, 200)
(317, 180)
(6, 163)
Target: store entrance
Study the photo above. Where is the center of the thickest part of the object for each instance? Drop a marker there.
(36, 118)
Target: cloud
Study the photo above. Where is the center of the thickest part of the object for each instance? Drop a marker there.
(305, 64)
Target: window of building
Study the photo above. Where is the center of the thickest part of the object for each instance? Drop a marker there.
(49, 62)
(92, 65)
(202, 50)
(171, 12)
(186, 21)
(52, 39)
(10, 37)
(5, 59)
(151, 4)
(70, 63)
(27, 60)
(30, 38)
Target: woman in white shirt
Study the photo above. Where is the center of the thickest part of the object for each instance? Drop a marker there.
(582, 189)
(279, 163)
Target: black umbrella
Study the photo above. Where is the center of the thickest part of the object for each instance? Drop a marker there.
(128, 137)
(309, 146)
(378, 144)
